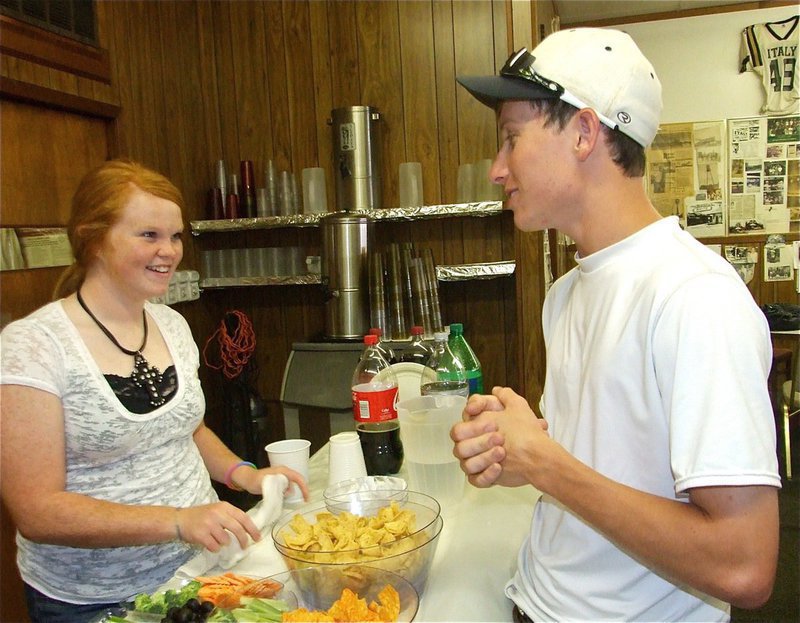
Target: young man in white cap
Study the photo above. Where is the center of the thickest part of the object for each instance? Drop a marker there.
(657, 459)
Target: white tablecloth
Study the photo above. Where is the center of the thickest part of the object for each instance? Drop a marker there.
(475, 557)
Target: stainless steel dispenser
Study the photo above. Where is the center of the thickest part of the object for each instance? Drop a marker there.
(356, 157)
(345, 258)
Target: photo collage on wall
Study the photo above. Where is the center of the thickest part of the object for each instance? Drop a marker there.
(732, 177)
(764, 175)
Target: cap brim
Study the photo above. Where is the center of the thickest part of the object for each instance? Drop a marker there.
(490, 90)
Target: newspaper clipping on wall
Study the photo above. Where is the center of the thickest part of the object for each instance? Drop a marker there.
(764, 176)
(686, 175)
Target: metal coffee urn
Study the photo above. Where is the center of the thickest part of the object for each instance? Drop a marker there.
(345, 263)
(356, 161)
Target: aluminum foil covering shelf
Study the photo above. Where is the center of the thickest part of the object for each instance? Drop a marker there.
(465, 272)
(231, 282)
(484, 208)
(459, 272)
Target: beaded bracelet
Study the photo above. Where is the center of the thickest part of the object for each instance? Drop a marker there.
(229, 473)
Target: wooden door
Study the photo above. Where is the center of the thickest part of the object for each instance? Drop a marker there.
(45, 152)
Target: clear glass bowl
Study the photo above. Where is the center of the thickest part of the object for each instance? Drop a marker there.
(365, 495)
(316, 588)
(409, 556)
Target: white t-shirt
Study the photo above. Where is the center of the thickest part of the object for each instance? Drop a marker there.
(111, 453)
(657, 365)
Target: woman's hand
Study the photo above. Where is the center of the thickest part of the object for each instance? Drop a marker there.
(211, 525)
(250, 479)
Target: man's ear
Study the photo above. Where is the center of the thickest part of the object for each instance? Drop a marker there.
(589, 128)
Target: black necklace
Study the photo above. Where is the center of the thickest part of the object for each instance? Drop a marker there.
(144, 376)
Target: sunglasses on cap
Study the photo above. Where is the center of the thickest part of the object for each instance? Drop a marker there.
(520, 65)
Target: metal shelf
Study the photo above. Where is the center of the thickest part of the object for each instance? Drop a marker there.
(236, 282)
(456, 272)
(469, 272)
(480, 209)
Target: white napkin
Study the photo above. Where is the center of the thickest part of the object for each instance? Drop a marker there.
(263, 514)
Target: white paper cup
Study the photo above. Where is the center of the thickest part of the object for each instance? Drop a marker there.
(410, 184)
(315, 198)
(290, 453)
(345, 458)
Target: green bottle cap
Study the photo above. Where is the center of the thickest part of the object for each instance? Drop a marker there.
(457, 328)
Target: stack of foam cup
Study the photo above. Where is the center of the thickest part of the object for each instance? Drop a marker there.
(345, 458)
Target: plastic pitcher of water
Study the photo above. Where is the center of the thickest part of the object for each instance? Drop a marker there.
(425, 423)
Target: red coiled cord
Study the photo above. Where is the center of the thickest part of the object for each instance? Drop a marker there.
(234, 350)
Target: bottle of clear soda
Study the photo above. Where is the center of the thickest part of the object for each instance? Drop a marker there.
(444, 374)
(461, 349)
(419, 351)
(374, 390)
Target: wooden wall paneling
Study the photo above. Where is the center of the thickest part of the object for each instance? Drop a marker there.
(94, 88)
(448, 136)
(477, 132)
(301, 91)
(62, 81)
(322, 70)
(28, 71)
(344, 52)
(107, 33)
(530, 294)
(24, 291)
(123, 73)
(159, 95)
(418, 69)
(381, 85)
(511, 329)
(142, 143)
(223, 82)
(52, 150)
(446, 111)
(171, 97)
(522, 13)
(278, 92)
(249, 74)
(503, 24)
(209, 96)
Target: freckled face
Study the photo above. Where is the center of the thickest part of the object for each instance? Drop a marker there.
(143, 249)
(532, 165)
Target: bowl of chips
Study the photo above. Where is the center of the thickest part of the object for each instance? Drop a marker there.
(400, 537)
(364, 495)
(354, 593)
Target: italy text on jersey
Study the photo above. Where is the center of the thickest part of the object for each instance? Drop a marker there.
(771, 50)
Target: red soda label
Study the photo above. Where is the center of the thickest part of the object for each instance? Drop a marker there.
(374, 406)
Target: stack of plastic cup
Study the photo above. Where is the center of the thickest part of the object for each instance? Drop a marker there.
(346, 459)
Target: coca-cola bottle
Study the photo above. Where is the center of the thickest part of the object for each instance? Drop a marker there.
(382, 346)
(374, 390)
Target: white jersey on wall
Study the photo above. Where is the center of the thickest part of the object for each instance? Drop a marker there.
(770, 50)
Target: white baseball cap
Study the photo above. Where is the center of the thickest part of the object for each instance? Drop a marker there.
(595, 68)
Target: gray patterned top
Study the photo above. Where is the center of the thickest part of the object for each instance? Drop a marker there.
(111, 453)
